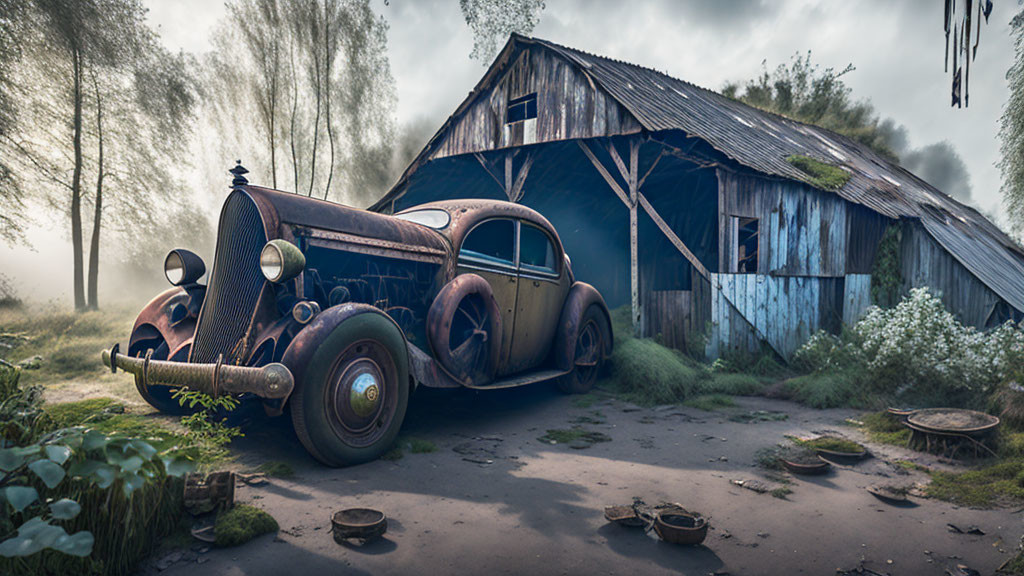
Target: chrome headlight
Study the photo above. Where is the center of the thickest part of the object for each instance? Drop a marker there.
(182, 267)
(281, 261)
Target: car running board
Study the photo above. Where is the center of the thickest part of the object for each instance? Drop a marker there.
(520, 380)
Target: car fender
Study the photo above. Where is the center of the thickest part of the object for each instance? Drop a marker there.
(167, 316)
(305, 344)
(581, 296)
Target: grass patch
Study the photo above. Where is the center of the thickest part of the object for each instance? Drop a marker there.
(585, 400)
(710, 402)
(420, 446)
(68, 342)
(393, 454)
(576, 436)
(912, 466)
(276, 469)
(825, 389)
(595, 417)
(781, 492)
(108, 416)
(755, 416)
(768, 458)
(822, 175)
(884, 428)
(241, 524)
(647, 373)
(732, 383)
(82, 412)
(832, 444)
(999, 483)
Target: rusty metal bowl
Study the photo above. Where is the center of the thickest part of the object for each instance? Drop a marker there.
(953, 421)
(807, 468)
(363, 524)
(681, 527)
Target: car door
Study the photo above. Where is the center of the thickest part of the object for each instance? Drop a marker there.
(543, 286)
(489, 250)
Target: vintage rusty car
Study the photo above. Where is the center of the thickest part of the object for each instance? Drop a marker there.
(337, 314)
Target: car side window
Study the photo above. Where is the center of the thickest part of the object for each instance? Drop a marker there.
(492, 242)
(536, 253)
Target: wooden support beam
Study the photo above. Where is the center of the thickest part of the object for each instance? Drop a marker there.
(651, 169)
(614, 153)
(516, 193)
(487, 168)
(508, 175)
(634, 254)
(604, 173)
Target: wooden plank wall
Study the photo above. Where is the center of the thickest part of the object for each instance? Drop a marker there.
(926, 263)
(783, 310)
(568, 107)
(668, 316)
(803, 230)
(856, 297)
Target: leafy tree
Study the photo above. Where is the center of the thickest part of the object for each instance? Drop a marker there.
(801, 90)
(1011, 130)
(12, 30)
(492, 21)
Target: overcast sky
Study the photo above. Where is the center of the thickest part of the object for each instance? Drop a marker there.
(897, 47)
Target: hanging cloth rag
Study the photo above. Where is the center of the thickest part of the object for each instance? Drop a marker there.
(946, 21)
(967, 54)
(977, 32)
(988, 10)
(956, 74)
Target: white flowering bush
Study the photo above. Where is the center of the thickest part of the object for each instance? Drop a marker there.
(919, 350)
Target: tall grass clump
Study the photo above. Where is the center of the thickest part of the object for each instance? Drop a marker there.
(647, 373)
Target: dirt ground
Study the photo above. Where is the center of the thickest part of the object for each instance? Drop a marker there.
(493, 499)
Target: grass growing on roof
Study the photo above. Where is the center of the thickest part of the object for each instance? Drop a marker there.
(241, 524)
(822, 175)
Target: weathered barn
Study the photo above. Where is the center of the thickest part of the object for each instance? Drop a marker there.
(689, 206)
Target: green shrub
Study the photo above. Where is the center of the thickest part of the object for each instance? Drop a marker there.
(826, 390)
(240, 524)
(885, 428)
(646, 373)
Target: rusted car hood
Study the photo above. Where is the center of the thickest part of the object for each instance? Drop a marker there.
(282, 211)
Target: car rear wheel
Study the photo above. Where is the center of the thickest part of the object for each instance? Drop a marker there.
(352, 400)
(588, 358)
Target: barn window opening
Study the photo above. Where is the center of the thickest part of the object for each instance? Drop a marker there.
(745, 243)
(521, 109)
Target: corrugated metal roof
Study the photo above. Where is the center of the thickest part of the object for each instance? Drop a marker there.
(762, 141)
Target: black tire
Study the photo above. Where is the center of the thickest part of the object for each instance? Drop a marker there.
(335, 415)
(588, 358)
(158, 397)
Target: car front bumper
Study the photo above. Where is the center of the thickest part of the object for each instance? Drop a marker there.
(271, 382)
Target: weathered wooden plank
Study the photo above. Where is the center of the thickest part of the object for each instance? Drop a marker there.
(604, 173)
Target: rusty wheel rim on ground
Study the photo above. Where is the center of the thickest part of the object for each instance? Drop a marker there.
(589, 346)
(362, 391)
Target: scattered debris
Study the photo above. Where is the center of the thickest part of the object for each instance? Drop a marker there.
(755, 416)
(972, 529)
(254, 479)
(203, 495)
(889, 493)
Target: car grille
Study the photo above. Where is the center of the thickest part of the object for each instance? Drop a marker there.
(235, 283)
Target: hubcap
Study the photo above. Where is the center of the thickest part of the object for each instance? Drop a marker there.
(359, 395)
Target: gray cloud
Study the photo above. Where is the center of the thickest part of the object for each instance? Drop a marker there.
(940, 165)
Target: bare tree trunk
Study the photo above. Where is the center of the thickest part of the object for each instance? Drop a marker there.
(76, 181)
(328, 61)
(295, 107)
(316, 121)
(94, 245)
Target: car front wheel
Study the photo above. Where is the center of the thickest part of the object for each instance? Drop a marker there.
(354, 394)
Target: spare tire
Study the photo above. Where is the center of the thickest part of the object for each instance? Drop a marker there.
(464, 330)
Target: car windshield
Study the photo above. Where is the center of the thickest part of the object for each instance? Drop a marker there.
(432, 218)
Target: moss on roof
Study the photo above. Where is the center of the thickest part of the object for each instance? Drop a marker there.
(822, 175)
